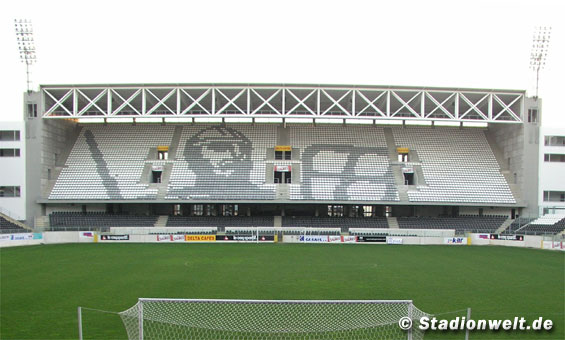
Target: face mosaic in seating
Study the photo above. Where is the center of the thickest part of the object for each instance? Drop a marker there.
(346, 172)
(221, 162)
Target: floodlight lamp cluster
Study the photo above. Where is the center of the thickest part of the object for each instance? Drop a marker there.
(26, 44)
(540, 46)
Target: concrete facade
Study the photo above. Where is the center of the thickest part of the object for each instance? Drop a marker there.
(520, 152)
(47, 146)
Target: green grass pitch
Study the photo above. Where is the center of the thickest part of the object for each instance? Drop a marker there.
(41, 286)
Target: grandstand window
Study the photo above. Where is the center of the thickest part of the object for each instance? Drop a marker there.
(32, 110)
(338, 210)
(9, 135)
(162, 155)
(368, 210)
(554, 196)
(388, 211)
(403, 157)
(156, 176)
(9, 191)
(554, 140)
(177, 210)
(532, 115)
(229, 210)
(408, 178)
(280, 155)
(9, 152)
(335, 210)
(283, 177)
(198, 210)
(548, 157)
(210, 210)
(354, 211)
(283, 174)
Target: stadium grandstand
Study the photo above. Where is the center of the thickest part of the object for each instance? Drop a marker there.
(9, 225)
(220, 158)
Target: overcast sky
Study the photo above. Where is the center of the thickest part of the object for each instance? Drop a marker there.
(483, 44)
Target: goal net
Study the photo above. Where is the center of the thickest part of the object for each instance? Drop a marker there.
(270, 319)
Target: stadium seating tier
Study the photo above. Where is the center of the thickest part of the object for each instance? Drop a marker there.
(229, 162)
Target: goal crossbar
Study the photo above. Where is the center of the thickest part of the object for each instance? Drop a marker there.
(238, 301)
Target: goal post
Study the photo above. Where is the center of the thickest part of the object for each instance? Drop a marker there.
(270, 319)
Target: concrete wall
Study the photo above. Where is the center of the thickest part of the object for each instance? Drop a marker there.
(21, 239)
(47, 143)
(487, 211)
(530, 165)
(59, 237)
(405, 240)
(56, 237)
(90, 207)
(52, 237)
(554, 245)
(12, 172)
(431, 210)
(520, 146)
(530, 241)
(33, 159)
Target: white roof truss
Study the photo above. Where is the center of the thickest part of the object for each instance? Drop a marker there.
(292, 101)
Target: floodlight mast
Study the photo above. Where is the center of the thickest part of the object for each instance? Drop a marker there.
(538, 56)
(26, 46)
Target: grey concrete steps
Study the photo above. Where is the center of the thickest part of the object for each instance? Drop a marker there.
(145, 174)
(277, 222)
(283, 192)
(162, 191)
(504, 225)
(283, 135)
(395, 165)
(391, 144)
(41, 223)
(392, 223)
(175, 141)
(161, 221)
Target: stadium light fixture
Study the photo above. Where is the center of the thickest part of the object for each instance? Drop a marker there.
(538, 55)
(26, 45)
